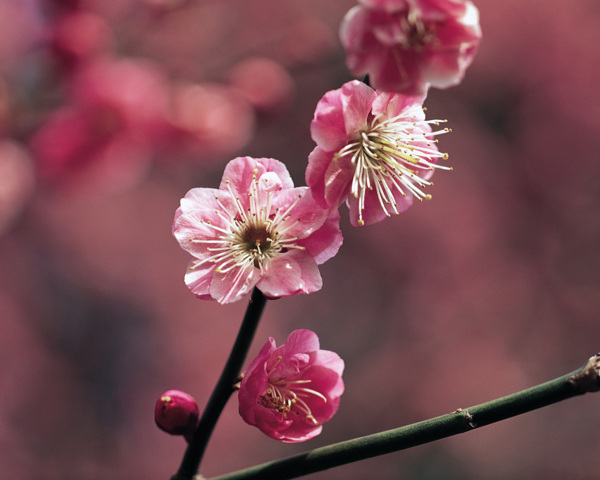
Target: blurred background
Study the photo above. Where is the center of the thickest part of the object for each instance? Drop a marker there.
(111, 110)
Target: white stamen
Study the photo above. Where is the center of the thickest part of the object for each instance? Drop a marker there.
(248, 238)
(392, 155)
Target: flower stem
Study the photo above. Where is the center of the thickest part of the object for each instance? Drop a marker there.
(223, 390)
(586, 379)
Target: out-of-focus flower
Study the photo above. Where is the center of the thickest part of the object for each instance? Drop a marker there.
(79, 152)
(176, 412)
(264, 83)
(408, 45)
(124, 95)
(104, 139)
(17, 180)
(288, 392)
(374, 149)
(79, 36)
(210, 118)
(256, 230)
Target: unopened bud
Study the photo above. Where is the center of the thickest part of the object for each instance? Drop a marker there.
(176, 413)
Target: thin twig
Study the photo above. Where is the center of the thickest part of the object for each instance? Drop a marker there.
(223, 390)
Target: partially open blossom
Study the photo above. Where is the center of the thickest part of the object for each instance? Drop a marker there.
(176, 412)
(408, 45)
(255, 230)
(288, 392)
(375, 150)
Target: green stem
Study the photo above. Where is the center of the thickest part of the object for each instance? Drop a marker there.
(586, 379)
(223, 390)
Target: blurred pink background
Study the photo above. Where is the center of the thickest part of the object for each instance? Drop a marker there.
(110, 110)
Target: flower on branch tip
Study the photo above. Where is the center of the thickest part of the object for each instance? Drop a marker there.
(288, 392)
(256, 230)
(375, 150)
(408, 45)
(176, 412)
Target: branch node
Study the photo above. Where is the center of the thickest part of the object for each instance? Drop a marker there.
(471, 423)
(588, 378)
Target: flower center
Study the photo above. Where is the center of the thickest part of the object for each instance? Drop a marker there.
(288, 398)
(417, 34)
(256, 241)
(393, 156)
(251, 236)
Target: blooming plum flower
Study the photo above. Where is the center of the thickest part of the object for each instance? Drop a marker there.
(255, 230)
(176, 412)
(375, 150)
(288, 392)
(408, 45)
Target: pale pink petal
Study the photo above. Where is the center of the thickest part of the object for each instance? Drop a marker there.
(240, 170)
(357, 100)
(326, 241)
(192, 218)
(301, 341)
(338, 178)
(233, 285)
(318, 163)
(306, 216)
(299, 432)
(198, 279)
(330, 360)
(394, 105)
(290, 274)
(327, 128)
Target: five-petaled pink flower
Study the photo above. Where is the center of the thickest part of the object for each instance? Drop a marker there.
(375, 150)
(256, 230)
(408, 45)
(288, 392)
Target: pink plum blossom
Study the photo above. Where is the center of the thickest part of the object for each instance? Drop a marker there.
(255, 230)
(288, 392)
(375, 150)
(408, 45)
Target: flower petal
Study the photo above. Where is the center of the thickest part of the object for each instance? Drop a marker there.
(233, 285)
(239, 172)
(290, 274)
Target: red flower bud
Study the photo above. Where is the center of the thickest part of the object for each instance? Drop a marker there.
(176, 413)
